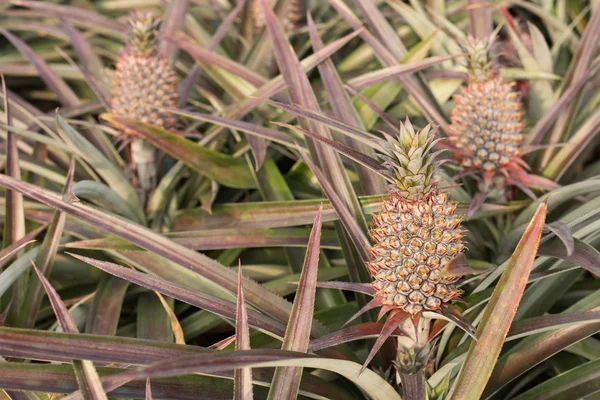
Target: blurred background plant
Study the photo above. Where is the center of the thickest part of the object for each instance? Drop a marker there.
(197, 187)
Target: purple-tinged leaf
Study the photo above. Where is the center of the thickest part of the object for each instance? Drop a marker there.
(4, 314)
(413, 86)
(537, 133)
(563, 232)
(63, 92)
(544, 323)
(14, 221)
(185, 87)
(152, 320)
(60, 379)
(499, 313)
(209, 57)
(301, 93)
(354, 230)
(480, 18)
(45, 258)
(228, 238)
(75, 14)
(60, 310)
(583, 254)
(88, 379)
(222, 344)
(220, 167)
(358, 135)
(14, 225)
(8, 251)
(532, 351)
(214, 304)
(327, 159)
(286, 381)
(92, 66)
(172, 22)
(453, 315)
(360, 158)
(64, 347)
(277, 84)
(385, 32)
(559, 163)
(352, 286)
(247, 127)
(384, 74)
(105, 311)
(374, 385)
(458, 266)
(391, 324)
(220, 277)
(148, 390)
(578, 69)
(384, 117)
(349, 334)
(376, 302)
(242, 386)
(344, 110)
(476, 203)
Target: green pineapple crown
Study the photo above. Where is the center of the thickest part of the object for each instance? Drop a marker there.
(409, 162)
(479, 63)
(143, 31)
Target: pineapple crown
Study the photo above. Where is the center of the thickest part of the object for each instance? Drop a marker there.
(479, 65)
(409, 162)
(143, 31)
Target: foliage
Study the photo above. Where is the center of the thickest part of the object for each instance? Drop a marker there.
(242, 272)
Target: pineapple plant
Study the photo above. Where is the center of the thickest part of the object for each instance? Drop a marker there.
(143, 80)
(227, 282)
(486, 121)
(417, 231)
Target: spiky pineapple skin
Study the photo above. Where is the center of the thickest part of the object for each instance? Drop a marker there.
(142, 82)
(414, 241)
(486, 124)
(296, 10)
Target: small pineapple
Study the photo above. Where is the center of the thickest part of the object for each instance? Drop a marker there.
(294, 15)
(486, 119)
(143, 80)
(417, 232)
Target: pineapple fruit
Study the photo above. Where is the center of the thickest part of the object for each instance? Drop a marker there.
(143, 80)
(416, 232)
(294, 14)
(486, 121)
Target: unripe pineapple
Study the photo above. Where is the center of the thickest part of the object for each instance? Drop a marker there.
(294, 14)
(143, 80)
(486, 119)
(416, 232)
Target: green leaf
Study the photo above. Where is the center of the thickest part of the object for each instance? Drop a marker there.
(107, 170)
(226, 170)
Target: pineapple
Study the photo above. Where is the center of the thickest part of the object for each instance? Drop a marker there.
(486, 120)
(416, 232)
(143, 80)
(294, 15)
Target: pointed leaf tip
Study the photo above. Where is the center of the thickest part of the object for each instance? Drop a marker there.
(242, 386)
(500, 312)
(390, 326)
(286, 381)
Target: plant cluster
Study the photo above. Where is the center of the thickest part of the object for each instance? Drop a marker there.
(341, 199)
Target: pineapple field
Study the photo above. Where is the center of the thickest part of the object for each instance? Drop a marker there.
(300, 199)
